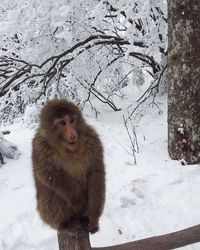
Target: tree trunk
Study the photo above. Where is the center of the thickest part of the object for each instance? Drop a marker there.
(184, 80)
(74, 238)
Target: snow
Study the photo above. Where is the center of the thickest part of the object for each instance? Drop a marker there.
(154, 197)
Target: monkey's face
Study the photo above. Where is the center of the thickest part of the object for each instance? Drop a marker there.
(65, 129)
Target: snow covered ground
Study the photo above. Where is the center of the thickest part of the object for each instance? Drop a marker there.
(156, 196)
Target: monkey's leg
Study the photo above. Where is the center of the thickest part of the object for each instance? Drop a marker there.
(74, 223)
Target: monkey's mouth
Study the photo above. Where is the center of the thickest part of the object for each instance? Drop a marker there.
(71, 145)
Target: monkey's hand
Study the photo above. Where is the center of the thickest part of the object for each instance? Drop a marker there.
(76, 197)
(93, 225)
(77, 203)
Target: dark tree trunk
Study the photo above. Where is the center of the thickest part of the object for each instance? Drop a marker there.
(184, 80)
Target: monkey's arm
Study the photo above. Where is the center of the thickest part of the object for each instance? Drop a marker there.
(96, 195)
(58, 180)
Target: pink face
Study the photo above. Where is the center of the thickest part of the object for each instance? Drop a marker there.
(66, 127)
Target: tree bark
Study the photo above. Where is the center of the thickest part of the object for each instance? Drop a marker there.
(74, 238)
(184, 80)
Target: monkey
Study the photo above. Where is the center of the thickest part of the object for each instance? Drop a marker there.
(68, 167)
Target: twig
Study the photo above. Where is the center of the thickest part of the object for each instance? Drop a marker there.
(132, 138)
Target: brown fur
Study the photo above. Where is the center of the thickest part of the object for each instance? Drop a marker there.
(69, 185)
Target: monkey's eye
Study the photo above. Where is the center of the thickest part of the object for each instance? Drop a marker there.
(62, 123)
(72, 120)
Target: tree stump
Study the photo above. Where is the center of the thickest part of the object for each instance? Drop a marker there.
(7, 149)
(75, 237)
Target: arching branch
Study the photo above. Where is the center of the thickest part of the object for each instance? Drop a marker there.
(55, 64)
(163, 242)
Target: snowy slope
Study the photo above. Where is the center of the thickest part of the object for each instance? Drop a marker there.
(154, 197)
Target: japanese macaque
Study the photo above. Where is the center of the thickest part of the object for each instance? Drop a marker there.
(68, 167)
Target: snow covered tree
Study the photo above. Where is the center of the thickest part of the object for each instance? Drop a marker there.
(184, 80)
(85, 51)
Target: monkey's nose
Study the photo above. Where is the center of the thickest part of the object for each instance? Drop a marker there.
(72, 137)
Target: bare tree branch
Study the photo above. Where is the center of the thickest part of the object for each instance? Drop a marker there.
(163, 242)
